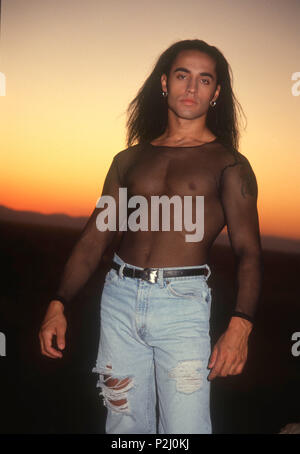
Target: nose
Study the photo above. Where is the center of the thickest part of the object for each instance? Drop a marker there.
(192, 85)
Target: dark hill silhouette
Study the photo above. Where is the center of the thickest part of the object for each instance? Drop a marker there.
(63, 220)
(36, 218)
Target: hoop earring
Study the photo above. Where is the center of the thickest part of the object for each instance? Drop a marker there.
(164, 93)
(212, 103)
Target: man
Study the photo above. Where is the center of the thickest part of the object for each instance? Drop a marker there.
(156, 302)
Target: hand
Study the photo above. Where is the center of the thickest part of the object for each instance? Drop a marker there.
(54, 323)
(229, 355)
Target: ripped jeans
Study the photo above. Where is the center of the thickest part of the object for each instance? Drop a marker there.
(155, 343)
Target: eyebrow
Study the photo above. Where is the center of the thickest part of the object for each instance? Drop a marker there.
(188, 71)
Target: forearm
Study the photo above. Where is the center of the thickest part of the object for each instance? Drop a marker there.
(80, 266)
(249, 280)
(92, 243)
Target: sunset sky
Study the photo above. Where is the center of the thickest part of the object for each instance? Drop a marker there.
(72, 67)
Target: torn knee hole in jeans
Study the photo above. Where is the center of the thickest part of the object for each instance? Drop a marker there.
(114, 390)
(188, 377)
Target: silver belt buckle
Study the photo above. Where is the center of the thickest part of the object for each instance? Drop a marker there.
(150, 275)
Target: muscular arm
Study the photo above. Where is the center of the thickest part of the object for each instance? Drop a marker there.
(239, 198)
(80, 265)
(88, 250)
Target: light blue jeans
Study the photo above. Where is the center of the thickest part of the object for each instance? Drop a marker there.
(154, 337)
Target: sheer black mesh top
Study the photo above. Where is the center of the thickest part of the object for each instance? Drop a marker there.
(145, 172)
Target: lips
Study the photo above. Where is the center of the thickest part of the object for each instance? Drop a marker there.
(188, 101)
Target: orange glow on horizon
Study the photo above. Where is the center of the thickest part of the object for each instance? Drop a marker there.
(68, 86)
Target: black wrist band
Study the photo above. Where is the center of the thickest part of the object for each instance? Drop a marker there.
(61, 299)
(242, 315)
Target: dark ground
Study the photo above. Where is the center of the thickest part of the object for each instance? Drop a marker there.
(41, 395)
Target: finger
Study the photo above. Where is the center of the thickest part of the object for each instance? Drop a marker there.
(216, 369)
(60, 333)
(231, 366)
(213, 358)
(233, 369)
(237, 367)
(48, 347)
(43, 335)
(224, 368)
(213, 373)
(240, 368)
(43, 351)
(52, 356)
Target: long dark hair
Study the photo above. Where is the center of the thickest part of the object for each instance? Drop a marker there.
(147, 113)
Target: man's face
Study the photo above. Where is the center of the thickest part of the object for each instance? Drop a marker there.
(191, 84)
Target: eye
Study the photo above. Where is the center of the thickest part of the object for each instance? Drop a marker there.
(205, 81)
(181, 76)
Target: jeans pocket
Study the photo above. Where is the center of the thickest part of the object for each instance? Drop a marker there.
(190, 289)
(111, 276)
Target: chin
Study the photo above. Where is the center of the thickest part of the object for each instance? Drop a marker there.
(188, 115)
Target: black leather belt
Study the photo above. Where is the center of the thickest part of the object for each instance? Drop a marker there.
(151, 274)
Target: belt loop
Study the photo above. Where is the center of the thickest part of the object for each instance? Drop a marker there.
(209, 272)
(160, 276)
(121, 270)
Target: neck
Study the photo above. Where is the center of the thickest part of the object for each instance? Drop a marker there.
(184, 130)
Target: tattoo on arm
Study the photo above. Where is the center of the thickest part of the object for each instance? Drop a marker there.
(248, 181)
